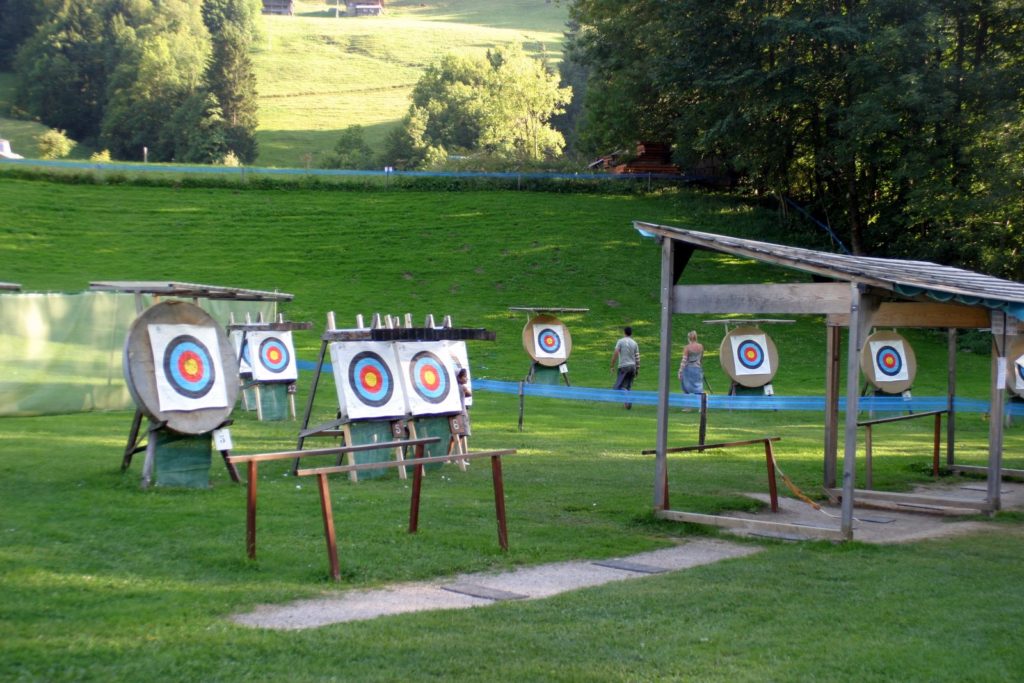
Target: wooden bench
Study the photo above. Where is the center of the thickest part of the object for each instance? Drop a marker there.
(868, 424)
(769, 456)
(321, 473)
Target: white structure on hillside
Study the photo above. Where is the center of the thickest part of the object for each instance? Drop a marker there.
(6, 152)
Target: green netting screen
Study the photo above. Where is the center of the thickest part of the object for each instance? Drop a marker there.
(63, 352)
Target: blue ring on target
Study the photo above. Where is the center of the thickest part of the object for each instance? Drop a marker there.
(180, 354)
(269, 345)
(425, 365)
(756, 354)
(369, 364)
(884, 353)
(549, 340)
(244, 351)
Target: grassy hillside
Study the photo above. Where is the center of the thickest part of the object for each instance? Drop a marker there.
(318, 74)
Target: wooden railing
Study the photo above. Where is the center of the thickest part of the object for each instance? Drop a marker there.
(868, 424)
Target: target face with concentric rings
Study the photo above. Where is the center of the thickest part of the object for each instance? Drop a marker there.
(889, 360)
(429, 378)
(549, 341)
(189, 375)
(189, 366)
(370, 379)
(272, 356)
(751, 355)
(366, 375)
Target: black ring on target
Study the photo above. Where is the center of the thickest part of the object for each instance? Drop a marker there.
(429, 377)
(549, 340)
(889, 361)
(371, 379)
(749, 354)
(188, 366)
(272, 348)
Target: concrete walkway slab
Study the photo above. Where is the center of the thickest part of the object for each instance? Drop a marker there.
(480, 589)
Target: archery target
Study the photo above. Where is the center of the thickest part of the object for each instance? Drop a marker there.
(241, 346)
(429, 378)
(888, 362)
(366, 375)
(749, 357)
(547, 340)
(1015, 367)
(189, 375)
(272, 356)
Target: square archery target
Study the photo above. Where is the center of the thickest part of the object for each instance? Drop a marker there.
(889, 361)
(366, 375)
(272, 356)
(429, 377)
(750, 351)
(549, 341)
(241, 346)
(1018, 374)
(187, 366)
(460, 358)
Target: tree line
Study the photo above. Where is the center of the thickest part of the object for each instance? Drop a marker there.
(161, 79)
(898, 122)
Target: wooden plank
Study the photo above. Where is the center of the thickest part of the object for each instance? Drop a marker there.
(900, 418)
(340, 469)
(187, 290)
(809, 532)
(921, 314)
(702, 447)
(335, 450)
(815, 298)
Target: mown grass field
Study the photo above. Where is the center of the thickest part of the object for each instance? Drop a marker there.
(105, 582)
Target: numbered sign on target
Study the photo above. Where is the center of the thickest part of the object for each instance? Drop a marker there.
(188, 371)
(366, 375)
(429, 377)
(272, 356)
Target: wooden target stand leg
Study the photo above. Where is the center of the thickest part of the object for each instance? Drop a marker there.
(454, 443)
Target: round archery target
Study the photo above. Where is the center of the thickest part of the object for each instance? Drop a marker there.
(1015, 367)
(547, 340)
(888, 362)
(189, 366)
(428, 377)
(274, 355)
(176, 362)
(370, 379)
(366, 377)
(749, 357)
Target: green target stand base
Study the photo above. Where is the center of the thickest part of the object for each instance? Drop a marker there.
(274, 401)
(372, 431)
(543, 374)
(182, 460)
(425, 427)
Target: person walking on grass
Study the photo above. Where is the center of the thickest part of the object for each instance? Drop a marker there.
(627, 359)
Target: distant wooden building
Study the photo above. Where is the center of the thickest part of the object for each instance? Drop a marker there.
(278, 7)
(364, 8)
(650, 157)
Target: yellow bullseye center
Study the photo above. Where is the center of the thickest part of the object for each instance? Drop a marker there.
(192, 366)
(430, 377)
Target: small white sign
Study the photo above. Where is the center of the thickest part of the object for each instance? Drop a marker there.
(222, 439)
(564, 368)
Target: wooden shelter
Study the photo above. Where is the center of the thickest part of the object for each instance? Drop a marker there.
(855, 292)
(364, 8)
(278, 7)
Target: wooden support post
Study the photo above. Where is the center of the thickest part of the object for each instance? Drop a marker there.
(773, 491)
(522, 396)
(133, 439)
(832, 367)
(664, 370)
(861, 309)
(935, 448)
(250, 510)
(702, 430)
(499, 501)
(868, 465)
(259, 401)
(417, 484)
(332, 544)
(950, 397)
(995, 418)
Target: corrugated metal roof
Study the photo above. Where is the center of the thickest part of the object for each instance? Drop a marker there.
(906, 277)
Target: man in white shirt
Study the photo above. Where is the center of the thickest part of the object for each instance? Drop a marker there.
(627, 355)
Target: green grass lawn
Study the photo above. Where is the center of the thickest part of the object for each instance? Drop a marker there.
(105, 582)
